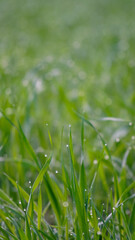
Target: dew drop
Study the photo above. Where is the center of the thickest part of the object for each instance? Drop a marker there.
(85, 190)
(19, 202)
(67, 145)
(95, 161)
(106, 157)
(117, 140)
(128, 212)
(99, 233)
(45, 155)
(133, 137)
(106, 144)
(56, 171)
(24, 210)
(130, 123)
(69, 125)
(29, 186)
(29, 182)
(65, 204)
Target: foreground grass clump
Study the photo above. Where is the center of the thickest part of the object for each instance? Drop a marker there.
(83, 198)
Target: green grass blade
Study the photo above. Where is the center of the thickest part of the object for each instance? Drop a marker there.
(41, 174)
(39, 208)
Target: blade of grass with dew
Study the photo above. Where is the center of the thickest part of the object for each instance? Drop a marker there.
(6, 198)
(22, 191)
(95, 223)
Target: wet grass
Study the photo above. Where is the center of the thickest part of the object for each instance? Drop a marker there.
(67, 126)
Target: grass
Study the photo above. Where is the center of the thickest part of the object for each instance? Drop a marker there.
(67, 122)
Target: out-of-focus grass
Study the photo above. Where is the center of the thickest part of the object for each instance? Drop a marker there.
(58, 58)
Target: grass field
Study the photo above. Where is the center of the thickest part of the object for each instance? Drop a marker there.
(67, 119)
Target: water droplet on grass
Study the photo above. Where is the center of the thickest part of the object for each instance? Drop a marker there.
(105, 144)
(117, 140)
(39, 86)
(24, 210)
(130, 123)
(67, 145)
(99, 233)
(19, 202)
(65, 204)
(45, 155)
(106, 157)
(29, 182)
(69, 125)
(56, 171)
(95, 161)
(128, 212)
(133, 137)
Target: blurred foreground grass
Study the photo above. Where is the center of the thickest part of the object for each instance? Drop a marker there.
(58, 58)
